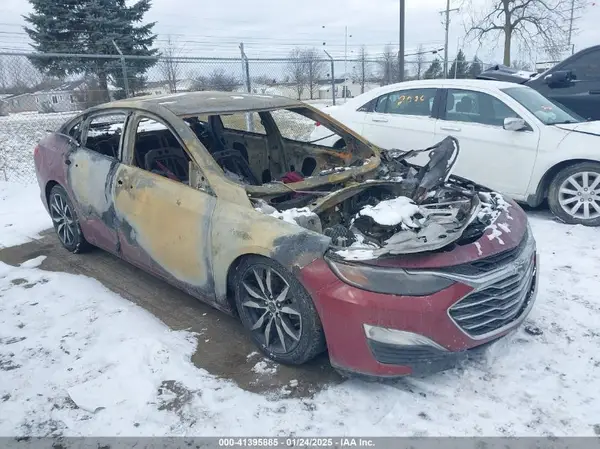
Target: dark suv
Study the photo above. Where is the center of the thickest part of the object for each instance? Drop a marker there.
(574, 82)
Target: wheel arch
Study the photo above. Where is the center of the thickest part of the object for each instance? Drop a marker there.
(231, 270)
(49, 186)
(543, 187)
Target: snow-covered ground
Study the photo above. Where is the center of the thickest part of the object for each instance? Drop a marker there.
(19, 134)
(22, 214)
(77, 359)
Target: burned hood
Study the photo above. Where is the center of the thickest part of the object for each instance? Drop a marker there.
(403, 210)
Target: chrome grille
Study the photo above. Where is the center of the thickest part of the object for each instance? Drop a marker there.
(497, 304)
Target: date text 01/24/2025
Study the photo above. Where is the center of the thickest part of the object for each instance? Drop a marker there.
(296, 442)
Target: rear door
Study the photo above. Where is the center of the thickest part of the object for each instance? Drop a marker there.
(90, 176)
(403, 120)
(489, 154)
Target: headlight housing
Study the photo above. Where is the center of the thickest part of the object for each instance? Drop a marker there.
(391, 281)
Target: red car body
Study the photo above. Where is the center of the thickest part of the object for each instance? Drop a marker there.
(344, 309)
(493, 286)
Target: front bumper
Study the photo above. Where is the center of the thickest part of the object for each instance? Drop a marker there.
(440, 339)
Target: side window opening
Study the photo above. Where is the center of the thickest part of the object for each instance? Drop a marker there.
(157, 150)
(297, 127)
(75, 131)
(382, 103)
(369, 106)
(247, 122)
(476, 107)
(417, 102)
(104, 134)
(586, 67)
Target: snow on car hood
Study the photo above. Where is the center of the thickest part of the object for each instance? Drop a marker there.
(592, 128)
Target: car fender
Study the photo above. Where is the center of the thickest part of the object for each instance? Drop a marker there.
(572, 149)
(238, 231)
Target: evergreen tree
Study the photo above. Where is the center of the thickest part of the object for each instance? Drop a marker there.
(91, 26)
(475, 68)
(459, 66)
(434, 71)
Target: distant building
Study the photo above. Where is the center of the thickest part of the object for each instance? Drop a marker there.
(69, 96)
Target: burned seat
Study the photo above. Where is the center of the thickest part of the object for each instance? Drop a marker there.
(170, 162)
(234, 161)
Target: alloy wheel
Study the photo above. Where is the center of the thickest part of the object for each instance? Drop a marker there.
(272, 310)
(579, 195)
(62, 216)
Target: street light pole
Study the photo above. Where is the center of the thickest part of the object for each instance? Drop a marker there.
(345, 61)
(571, 27)
(401, 41)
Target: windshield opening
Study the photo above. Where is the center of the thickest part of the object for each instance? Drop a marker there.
(278, 146)
(547, 111)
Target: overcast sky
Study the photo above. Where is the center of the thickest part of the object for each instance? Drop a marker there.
(271, 28)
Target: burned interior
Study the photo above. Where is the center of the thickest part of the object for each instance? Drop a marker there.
(370, 204)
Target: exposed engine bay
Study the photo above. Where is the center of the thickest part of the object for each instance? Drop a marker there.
(403, 209)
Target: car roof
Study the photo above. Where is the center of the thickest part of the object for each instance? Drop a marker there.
(456, 83)
(205, 102)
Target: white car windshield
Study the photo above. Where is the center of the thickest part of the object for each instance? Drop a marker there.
(549, 112)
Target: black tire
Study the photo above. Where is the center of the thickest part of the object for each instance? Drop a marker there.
(65, 221)
(591, 197)
(304, 323)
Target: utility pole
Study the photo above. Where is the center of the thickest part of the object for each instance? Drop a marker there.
(332, 77)
(447, 27)
(246, 74)
(345, 61)
(401, 21)
(572, 47)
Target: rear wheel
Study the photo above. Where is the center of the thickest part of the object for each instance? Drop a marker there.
(574, 194)
(278, 311)
(65, 221)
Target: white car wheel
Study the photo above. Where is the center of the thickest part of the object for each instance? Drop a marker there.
(574, 195)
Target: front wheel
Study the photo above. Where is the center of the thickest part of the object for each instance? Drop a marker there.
(278, 311)
(574, 194)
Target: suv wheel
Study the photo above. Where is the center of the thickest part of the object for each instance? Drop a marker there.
(574, 194)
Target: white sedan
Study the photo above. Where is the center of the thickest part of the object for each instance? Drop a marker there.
(512, 138)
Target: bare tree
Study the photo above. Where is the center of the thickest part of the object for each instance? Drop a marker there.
(314, 68)
(388, 65)
(362, 69)
(219, 80)
(169, 66)
(519, 64)
(532, 22)
(420, 61)
(296, 70)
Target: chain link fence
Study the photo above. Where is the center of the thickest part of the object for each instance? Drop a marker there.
(34, 100)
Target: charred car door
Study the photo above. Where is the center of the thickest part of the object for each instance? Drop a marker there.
(90, 175)
(163, 223)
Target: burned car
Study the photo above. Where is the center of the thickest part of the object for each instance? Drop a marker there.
(393, 269)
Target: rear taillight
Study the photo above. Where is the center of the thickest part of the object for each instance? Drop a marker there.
(36, 151)
(317, 123)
